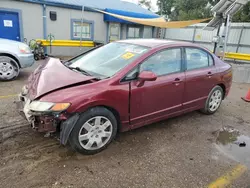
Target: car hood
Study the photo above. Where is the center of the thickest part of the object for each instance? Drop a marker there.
(10, 42)
(51, 76)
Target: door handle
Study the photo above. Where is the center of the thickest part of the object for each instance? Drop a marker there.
(209, 74)
(177, 81)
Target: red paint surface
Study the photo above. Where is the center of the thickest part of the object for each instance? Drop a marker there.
(137, 105)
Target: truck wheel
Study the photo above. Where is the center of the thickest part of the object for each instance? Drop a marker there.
(213, 101)
(9, 68)
(94, 131)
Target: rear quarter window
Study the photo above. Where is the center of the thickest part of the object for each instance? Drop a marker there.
(197, 58)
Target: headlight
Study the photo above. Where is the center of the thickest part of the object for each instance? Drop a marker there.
(24, 48)
(48, 106)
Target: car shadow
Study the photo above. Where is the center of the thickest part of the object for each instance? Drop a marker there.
(23, 75)
(138, 141)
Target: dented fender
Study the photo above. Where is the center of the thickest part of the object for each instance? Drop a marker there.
(66, 128)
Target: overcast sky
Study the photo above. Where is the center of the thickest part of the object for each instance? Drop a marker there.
(153, 3)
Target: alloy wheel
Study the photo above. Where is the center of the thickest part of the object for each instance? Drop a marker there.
(6, 70)
(95, 133)
(215, 100)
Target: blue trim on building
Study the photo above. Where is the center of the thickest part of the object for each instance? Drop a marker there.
(92, 31)
(141, 32)
(54, 4)
(107, 32)
(62, 5)
(88, 6)
(121, 31)
(154, 32)
(109, 18)
(19, 13)
(44, 22)
(44, 25)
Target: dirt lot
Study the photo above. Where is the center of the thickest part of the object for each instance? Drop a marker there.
(179, 152)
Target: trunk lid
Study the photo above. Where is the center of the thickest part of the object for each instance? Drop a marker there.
(53, 75)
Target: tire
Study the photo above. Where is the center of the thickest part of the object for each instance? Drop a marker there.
(43, 57)
(9, 68)
(91, 129)
(36, 57)
(213, 101)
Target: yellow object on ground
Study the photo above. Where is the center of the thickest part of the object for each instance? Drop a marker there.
(8, 96)
(229, 177)
(157, 22)
(67, 43)
(237, 56)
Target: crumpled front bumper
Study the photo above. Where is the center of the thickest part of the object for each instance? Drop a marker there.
(47, 122)
(41, 122)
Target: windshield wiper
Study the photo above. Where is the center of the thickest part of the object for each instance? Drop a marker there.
(80, 70)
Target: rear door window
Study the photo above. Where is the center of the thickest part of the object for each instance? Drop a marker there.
(197, 58)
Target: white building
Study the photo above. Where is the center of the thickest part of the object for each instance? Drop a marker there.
(24, 20)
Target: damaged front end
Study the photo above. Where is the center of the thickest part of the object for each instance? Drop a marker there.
(46, 100)
(46, 117)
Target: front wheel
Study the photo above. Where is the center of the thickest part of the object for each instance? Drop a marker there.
(9, 69)
(94, 131)
(213, 101)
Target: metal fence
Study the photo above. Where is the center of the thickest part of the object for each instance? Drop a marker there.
(238, 39)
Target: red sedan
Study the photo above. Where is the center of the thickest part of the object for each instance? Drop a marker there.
(122, 86)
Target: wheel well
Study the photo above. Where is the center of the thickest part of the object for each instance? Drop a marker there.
(11, 56)
(223, 88)
(116, 114)
(114, 111)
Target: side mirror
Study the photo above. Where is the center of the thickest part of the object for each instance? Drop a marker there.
(147, 76)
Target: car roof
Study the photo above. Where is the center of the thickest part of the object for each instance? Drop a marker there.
(152, 43)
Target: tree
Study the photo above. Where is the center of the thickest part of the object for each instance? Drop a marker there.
(196, 9)
(146, 4)
(243, 15)
(184, 9)
(165, 6)
(192, 9)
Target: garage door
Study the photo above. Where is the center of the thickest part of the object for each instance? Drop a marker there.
(9, 25)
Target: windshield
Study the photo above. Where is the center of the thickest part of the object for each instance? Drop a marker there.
(109, 59)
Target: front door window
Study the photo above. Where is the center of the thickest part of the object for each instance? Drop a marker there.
(164, 62)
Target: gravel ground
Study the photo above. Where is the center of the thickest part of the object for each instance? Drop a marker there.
(179, 152)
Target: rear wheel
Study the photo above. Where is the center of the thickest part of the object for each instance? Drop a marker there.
(43, 57)
(213, 101)
(36, 57)
(9, 69)
(94, 131)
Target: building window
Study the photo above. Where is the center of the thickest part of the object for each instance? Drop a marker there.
(84, 30)
(148, 32)
(114, 31)
(134, 32)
